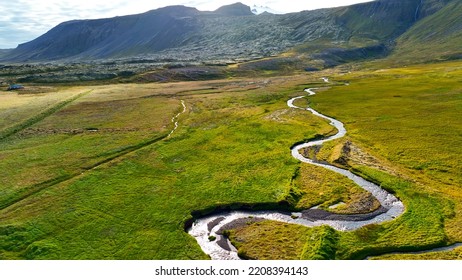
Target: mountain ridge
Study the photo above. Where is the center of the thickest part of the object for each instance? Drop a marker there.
(231, 32)
(236, 9)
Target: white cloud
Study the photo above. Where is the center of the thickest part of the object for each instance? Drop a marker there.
(24, 20)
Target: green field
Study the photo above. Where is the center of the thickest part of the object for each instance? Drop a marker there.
(89, 172)
(409, 121)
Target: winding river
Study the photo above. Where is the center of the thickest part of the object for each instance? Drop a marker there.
(208, 228)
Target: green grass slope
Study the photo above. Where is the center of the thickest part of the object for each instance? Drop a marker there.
(436, 37)
(378, 20)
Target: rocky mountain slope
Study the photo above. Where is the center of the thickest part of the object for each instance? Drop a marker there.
(233, 32)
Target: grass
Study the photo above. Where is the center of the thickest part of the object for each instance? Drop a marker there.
(126, 192)
(384, 109)
(274, 240)
(322, 188)
(135, 206)
(436, 37)
(60, 143)
(455, 254)
(409, 119)
(269, 240)
(420, 227)
(39, 117)
(17, 108)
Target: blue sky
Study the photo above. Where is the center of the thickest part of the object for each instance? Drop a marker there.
(24, 20)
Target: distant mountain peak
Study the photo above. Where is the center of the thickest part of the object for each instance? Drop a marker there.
(176, 10)
(264, 10)
(236, 9)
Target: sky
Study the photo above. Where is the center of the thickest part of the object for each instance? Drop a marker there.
(24, 20)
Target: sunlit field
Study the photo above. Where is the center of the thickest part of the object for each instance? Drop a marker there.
(91, 173)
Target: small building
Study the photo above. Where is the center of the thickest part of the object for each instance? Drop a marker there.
(15, 87)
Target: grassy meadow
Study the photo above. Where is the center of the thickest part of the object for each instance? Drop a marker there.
(99, 179)
(409, 120)
(89, 172)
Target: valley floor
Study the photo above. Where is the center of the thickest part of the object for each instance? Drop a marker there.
(91, 172)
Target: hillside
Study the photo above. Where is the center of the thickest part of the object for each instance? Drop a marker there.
(438, 37)
(233, 32)
(4, 52)
(237, 9)
(102, 38)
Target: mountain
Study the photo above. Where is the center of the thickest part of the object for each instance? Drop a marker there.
(258, 10)
(437, 36)
(237, 9)
(4, 52)
(119, 36)
(233, 32)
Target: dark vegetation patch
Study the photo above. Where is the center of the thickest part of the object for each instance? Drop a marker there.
(280, 64)
(336, 56)
(183, 74)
